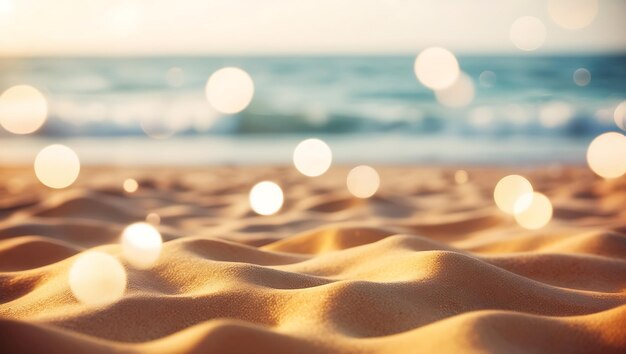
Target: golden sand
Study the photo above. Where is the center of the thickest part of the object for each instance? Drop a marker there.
(425, 265)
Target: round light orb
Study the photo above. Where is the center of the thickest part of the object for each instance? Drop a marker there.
(508, 191)
(582, 77)
(230, 90)
(459, 94)
(555, 114)
(57, 166)
(461, 177)
(606, 155)
(141, 245)
(487, 78)
(528, 33)
(130, 185)
(23, 109)
(573, 14)
(266, 198)
(436, 68)
(157, 127)
(175, 77)
(619, 116)
(312, 157)
(533, 211)
(153, 219)
(97, 279)
(363, 181)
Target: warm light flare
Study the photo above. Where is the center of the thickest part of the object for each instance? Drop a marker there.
(363, 181)
(606, 155)
(57, 166)
(508, 191)
(130, 185)
(573, 14)
(528, 33)
(230, 90)
(436, 68)
(141, 245)
(459, 94)
(266, 198)
(23, 109)
(97, 279)
(533, 211)
(312, 157)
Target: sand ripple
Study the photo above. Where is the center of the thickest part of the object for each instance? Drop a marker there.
(424, 266)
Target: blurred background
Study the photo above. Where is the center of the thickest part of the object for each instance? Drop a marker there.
(124, 82)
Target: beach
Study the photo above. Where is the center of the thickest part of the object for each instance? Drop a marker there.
(427, 264)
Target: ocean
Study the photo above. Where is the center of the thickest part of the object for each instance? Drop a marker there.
(526, 110)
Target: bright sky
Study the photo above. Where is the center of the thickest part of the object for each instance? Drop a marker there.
(145, 27)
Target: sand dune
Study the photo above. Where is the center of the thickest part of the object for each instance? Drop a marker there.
(426, 265)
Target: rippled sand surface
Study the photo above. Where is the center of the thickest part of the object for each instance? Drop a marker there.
(426, 265)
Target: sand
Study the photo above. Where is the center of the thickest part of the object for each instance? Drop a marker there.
(426, 265)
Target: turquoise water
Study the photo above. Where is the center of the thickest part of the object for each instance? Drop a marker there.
(369, 109)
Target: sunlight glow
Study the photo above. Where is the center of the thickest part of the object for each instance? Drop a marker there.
(130, 185)
(461, 177)
(23, 109)
(606, 155)
(555, 114)
(153, 219)
(528, 33)
(533, 211)
(230, 90)
(57, 166)
(97, 279)
(141, 245)
(573, 14)
(436, 68)
(459, 94)
(266, 198)
(363, 181)
(508, 191)
(312, 157)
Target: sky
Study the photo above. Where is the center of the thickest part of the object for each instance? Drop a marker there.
(283, 27)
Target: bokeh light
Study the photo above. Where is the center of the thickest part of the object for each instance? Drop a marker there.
(6, 6)
(582, 77)
(459, 94)
(528, 33)
(141, 245)
(266, 198)
(157, 127)
(23, 109)
(508, 191)
(175, 77)
(533, 211)
(130, 185)
(153, 219)
(573, 14)
(230, 90)
(312, 157)
(487, 78)
(555, 114)
(461, 177)
(57, 166)
(436, 68)
(97, 279)
(606, 155)
(363, 181)
(619, 115)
